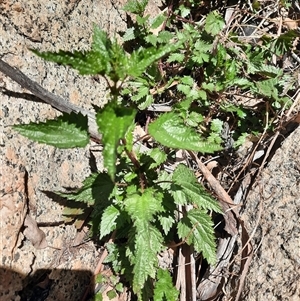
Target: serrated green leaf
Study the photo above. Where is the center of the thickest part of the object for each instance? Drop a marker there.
(202, 95)
(179, 196)
(165, 36)
(221, 56)
(113, 123)
(166, 222)
(269, 70)
(98, 297)
(157, 21)
(183, 106)
(191, 192)
(202, 46)
(187, 80)
(100, 279)
(164, 179)
(241, 140)
(196, 228)
(84, 62)
(106, 58)
(185, 89)
(129, 176)
(194, 119)
(142, 92)
(208, 86)
(241, 82)
(216, 125)
(267, 88)
(231, 70)
(120, 63)
(96, 61)
(170, 130)
(96, 189)
(164, 288)
(119, 287)
(284, 42)
(158, 156)
(136, 6)
(227, 107)
(214, 23)
(145, 102)
(111, 294)
(214, 138)
(108, 220)
(148, 243)
(142, 207)
(131, 189)
(175, 57)
(200, 58)
(194, 94)
(142, 20)
(113, 255)
(201, 52)
(129, 34)
(184, 11)
(130, 137)
(145, 57)
(67, 131)
(101, 43)
(151, 39)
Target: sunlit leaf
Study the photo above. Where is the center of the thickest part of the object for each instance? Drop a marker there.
(214, 23)
(189, 191)
(196, 228)
(113, 123)
(67, 131)
(170, 130)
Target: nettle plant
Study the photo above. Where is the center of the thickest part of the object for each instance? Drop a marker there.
(143, 206)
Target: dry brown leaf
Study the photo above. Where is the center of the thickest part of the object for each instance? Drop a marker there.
(139, 132)
(230, 213)
(290, 23)
(211, 165)
(34, 233)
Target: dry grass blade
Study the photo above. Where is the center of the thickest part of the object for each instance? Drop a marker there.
(228, 206)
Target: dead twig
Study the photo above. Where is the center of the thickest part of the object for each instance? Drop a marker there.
(228, 206)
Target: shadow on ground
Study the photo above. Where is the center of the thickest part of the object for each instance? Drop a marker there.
(45, 284)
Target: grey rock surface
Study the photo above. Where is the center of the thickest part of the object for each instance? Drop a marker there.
(272, 213)
(27, 169)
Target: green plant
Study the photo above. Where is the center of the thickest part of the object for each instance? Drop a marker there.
(135, 199)
(108, 283)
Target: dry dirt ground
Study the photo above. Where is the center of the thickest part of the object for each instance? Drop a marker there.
(36, 246)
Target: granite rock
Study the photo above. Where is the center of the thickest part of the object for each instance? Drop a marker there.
(29, 169)
(272, 213)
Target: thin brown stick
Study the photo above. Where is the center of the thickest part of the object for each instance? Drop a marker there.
(226, 202)
(214, 183)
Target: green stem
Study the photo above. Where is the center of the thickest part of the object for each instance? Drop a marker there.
(131, 155)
